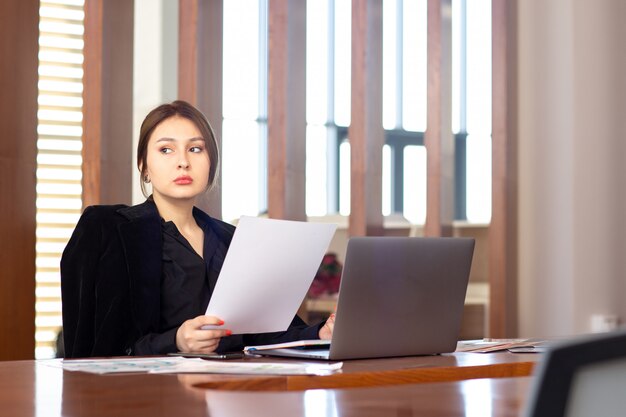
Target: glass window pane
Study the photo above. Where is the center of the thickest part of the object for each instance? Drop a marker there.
(240, 169)
(386, 180)
(458, 66)
(390, 63)
(479, 67)
(342, 56)
(317, 62)
(414, 65)
(316, 169)
(344, 179)
(479, 178)
(415, 184)
(241, 59)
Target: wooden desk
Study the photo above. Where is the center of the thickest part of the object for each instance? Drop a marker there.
(389, 371)
(30, 389)
(495, 397)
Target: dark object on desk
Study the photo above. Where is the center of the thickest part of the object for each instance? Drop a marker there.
(399, 296)
(214, 355)
(528, 349)
(582, 377)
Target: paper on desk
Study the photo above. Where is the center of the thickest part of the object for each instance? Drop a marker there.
(268, 269)
(252, 367)
(176, 365)
(496, 345)
(120, 365)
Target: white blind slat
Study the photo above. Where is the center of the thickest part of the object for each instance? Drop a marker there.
(59, 160)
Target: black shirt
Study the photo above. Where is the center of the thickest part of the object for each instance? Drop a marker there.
(185, 286)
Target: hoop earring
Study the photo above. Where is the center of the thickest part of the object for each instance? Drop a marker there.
(146, 179)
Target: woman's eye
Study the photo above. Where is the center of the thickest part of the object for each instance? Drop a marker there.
(165, 150)
(196, 149)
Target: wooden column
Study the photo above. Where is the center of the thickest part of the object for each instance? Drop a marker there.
(503, 229)
(366, 132)
(286, 117)
(200, 62)
(438, 137)
(107, 102)
(19, 29)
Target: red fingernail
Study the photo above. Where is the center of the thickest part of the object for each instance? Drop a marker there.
(221, 322)
(228, 332)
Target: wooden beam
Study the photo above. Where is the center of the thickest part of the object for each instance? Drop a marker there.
(503, 229)
(366, 132)
(107, 102)
(92, 100)
(438, 137)
(200, 62)
(188, 50)
(286, 117)
(19, 29)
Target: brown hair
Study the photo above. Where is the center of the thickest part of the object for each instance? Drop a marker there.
(163, 112)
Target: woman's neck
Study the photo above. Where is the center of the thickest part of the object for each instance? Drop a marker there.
(178, 211)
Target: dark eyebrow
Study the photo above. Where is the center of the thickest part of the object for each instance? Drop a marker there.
(166, 139)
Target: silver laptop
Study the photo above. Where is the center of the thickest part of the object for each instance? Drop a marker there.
(399, 296)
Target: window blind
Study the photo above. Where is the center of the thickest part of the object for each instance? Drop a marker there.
(59, 160)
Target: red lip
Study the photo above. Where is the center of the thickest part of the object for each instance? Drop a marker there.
(183, 180)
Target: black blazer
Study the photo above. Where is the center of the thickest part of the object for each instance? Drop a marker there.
(111, 282)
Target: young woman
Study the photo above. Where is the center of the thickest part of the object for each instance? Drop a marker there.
(137, 280)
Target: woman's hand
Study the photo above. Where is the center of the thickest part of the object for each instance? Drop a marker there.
(191, 337)
(326, 332)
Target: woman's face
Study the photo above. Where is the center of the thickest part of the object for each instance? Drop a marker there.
(177, 160)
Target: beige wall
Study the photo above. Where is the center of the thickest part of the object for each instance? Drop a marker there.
(572, 166)
(155, 66)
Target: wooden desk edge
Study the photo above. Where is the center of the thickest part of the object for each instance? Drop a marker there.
(372, 379)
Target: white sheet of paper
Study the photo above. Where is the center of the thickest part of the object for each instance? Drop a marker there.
(201, 366)
(268, 269)
(115, 365)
